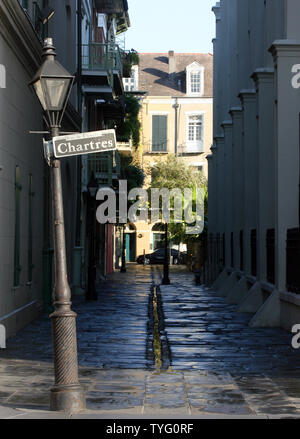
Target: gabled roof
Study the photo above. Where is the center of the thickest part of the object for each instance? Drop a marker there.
(194, 64)
(154, 74)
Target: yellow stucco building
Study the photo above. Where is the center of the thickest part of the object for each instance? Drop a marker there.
(176, 117)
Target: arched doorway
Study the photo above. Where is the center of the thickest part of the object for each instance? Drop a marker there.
(158, 236)
(130, 242)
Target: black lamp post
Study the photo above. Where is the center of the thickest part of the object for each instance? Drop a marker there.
(52, 85)
(166, 279)
(91, 290)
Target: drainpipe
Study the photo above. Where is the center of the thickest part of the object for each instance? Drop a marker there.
(79, 56)
(176, 106)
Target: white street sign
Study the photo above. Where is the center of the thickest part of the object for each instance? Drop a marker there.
(84, 143)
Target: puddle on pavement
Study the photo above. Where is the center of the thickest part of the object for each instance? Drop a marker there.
(157, 348)
(158, 352)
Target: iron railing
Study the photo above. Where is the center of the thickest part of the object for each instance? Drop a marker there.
(99, 163)
(293, 261)
(231, 249)
(270, 244)
(159, 148)
(241, 250)
(224, 249)
(103, 165)
(102, 56)
(191, 148)
(253, 244)
(214, 253)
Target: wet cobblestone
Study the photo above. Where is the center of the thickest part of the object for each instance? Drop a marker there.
(217, 364)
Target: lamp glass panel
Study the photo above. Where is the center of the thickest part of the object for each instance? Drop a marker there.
(40, 93)
(57, 89)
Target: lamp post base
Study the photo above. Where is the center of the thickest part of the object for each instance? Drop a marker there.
(67, 399)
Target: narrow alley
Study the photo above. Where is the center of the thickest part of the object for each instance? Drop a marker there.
(153, 350)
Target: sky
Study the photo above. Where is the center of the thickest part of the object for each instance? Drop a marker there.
(163, 25)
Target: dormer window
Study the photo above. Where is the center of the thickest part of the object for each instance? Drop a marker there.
(195, 79)
(195, 82)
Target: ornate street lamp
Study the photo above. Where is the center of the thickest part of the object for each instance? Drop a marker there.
(92, 189)
(52, 85)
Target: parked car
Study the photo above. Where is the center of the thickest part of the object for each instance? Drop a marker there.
(158, 257)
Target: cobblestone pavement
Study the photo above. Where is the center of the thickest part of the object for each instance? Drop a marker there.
(175, 350)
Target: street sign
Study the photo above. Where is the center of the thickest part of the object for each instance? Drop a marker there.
(85, 143)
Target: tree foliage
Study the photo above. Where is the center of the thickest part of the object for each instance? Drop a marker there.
(172, 172)
(130, 127)
(131, 172)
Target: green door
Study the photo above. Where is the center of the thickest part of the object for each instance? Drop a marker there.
(130, 240)
(127, 240)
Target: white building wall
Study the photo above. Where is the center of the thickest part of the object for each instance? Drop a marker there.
(19, 113)
(264, 155)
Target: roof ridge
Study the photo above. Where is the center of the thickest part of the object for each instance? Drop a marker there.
(175, 53)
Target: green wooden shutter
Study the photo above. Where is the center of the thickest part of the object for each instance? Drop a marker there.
(159, 133)
(18, 188)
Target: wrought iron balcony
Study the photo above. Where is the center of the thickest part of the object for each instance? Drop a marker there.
(111, 6)
(102, 67)
(156, 148)
(191, 148)
(105, 166)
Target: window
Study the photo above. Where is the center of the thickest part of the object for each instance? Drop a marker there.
(195, 79)
(159, 133)
(131, 84)
(195, 128)
(18, 189)
(195, 82)
(195, 132)
(197, 168)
